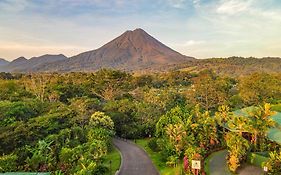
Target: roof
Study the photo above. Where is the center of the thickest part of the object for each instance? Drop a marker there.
(273, 134)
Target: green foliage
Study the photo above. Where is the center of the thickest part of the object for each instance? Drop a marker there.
(20, 111)
(8, 163)
(153, 145)
(237, 147)
(260, 87)
(274, 162)
(110, 84)
(12, 90)
(41, 156)
(209, 91)
(99, 119)
(63, 111)
(174, 116)
(256, 159)
(180, 129)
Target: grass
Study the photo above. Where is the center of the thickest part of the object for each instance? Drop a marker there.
(257, 159)
(276, 107)
(207, 164)
(156, 159)
(115, 158)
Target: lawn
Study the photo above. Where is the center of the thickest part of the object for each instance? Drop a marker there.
(276, 107)
(156, 159)
(257, 159)
(115, 158)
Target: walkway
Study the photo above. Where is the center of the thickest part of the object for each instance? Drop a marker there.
(218, 163)
(218, 166)
(135, 161)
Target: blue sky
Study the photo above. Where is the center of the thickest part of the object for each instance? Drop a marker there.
(199, 28)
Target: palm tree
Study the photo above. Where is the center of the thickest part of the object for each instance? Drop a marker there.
(260, 122)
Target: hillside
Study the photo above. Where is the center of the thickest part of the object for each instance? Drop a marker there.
(22, 64)
(3, 62)
(133, 50)
(233, 66)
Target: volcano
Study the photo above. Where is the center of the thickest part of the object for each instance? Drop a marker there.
(133, 50)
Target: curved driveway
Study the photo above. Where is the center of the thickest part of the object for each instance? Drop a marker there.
(135, 161)
(218, 166)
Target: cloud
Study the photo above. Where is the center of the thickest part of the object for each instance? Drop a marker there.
(193, 43)
(201, 28)
(178, 3)
(12, 6)
(231, 7)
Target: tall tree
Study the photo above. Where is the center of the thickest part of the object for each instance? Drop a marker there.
(260, 122)
(209, 90)
(260, 87)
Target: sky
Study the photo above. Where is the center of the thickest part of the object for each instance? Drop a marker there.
(199, 28)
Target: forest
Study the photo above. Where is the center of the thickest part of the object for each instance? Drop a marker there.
(64, 123)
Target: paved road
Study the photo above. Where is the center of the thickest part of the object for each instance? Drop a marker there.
(135, 161)
(218, 166)
(218, 163)
(250, 170)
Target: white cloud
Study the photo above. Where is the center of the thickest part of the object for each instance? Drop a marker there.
(178, 3)
(231, 7)
(193, 43)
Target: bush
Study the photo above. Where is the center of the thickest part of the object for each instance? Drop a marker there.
(100, 169)
(274, 162)
(8, 163)
(152, 144)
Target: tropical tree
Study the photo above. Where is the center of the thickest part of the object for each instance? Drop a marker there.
(260, 122)
(259, 87)
(237, 147)
(174, 116)
(108, 84)
(239, 124)
(177, 136)
(223, 115)
(99, 119)
(209, 90)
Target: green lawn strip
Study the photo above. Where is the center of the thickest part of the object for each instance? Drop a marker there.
(25, 173)
(156, 159)
(115, 158)
(207, 164)
(276, 107)
(256, 159)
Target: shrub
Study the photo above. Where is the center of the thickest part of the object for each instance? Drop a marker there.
(8, 163)
(274, 163)
(100, 169)
(152, 144)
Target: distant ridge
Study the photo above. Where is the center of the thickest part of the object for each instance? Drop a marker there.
(22, 64)
(3, 62)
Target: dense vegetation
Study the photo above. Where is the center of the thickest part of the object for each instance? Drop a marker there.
(233, 66)
(64, 123)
